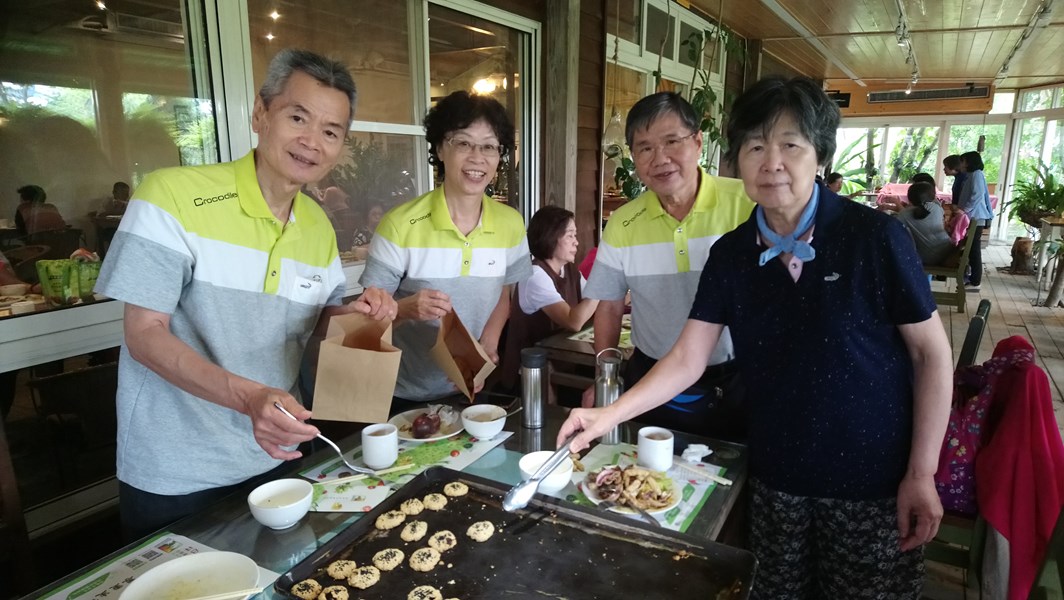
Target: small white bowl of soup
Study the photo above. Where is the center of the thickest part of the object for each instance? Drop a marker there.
(484, 421)
(555, 480)
(282, 503)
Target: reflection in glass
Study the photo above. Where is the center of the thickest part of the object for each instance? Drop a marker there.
(624, 87)
(88, 97)
(371, 37)
(661, 29)
(622, 19)
(375, 174)
(480, 56)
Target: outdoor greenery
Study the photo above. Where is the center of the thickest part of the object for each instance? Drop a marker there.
(913, 153)
(373, 173)
(964, 138)
(1036, 197)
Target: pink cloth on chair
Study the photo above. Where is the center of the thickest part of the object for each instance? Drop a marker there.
(1020, 471)
(958, 229)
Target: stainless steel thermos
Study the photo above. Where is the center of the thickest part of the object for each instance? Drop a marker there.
(533, 378)
(608, 386)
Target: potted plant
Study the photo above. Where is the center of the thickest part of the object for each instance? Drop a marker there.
(1037, 198)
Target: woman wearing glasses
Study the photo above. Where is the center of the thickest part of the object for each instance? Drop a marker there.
(453, 248)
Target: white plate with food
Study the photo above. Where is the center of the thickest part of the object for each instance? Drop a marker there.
(196, 575)
(655, 494)
(428, 428)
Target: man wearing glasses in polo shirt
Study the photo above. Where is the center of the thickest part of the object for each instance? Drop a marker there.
(656, 246)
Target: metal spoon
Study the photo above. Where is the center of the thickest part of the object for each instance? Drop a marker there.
(521, 494)
(355, 468)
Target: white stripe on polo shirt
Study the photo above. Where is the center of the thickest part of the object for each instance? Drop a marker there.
(150, 221)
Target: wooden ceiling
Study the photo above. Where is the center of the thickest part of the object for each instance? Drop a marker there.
(953, 41)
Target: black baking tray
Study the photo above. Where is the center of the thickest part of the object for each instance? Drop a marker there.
(552, 549)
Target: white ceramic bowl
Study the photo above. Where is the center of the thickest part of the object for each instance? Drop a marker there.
(484, 421)
(195, 575)
(281, 504)
(555, 480)
(14, 289)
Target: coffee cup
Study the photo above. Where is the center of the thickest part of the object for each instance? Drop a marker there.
(380, 445)
(655, 448)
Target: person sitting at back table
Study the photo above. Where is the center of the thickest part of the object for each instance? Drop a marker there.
(552, 297)
(364, 235)
(834, 182)
(923, 178)
(924, 220)
(116, 204)
(34, 214)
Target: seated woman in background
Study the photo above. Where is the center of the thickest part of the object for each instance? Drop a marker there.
(924, 220)
(551, 298)
(922, 178)
(34, 213)
(834, 182)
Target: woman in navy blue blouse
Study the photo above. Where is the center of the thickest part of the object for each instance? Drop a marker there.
(848, 365)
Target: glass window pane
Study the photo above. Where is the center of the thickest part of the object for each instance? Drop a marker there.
(1029, 154)
(376, 173)
(912, 150)
(468, 53)
(690, 43)
(1003, 103)
(622, 19)
(661, 28)
(1058, 98)
(372, 39)
(965, 138)
(88, 98)
(712, 54)
(121, 97)
(1036, 100)
(856, 154)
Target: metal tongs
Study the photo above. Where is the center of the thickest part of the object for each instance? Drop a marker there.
(521, 494)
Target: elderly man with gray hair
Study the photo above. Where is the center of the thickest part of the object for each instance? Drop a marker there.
(226, 271)
(656, 246)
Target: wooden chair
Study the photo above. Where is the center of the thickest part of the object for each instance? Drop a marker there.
(16, 557)
(955, 272)
(24, 261)
(974, 337)
(961, 539)
(1049, 585)
(78, 407)
(62, 242)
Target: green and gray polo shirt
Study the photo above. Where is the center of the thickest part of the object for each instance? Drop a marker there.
(241, 288)
(416, 247)
(660, 259)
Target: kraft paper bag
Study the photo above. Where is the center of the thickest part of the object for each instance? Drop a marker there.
(460, 355)
(357, 369)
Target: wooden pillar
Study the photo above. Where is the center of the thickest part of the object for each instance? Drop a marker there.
(562, 49)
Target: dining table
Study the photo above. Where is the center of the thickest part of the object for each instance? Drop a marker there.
(573, 356)
(229, 526)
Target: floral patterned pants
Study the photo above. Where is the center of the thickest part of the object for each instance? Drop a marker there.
(826, 549)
